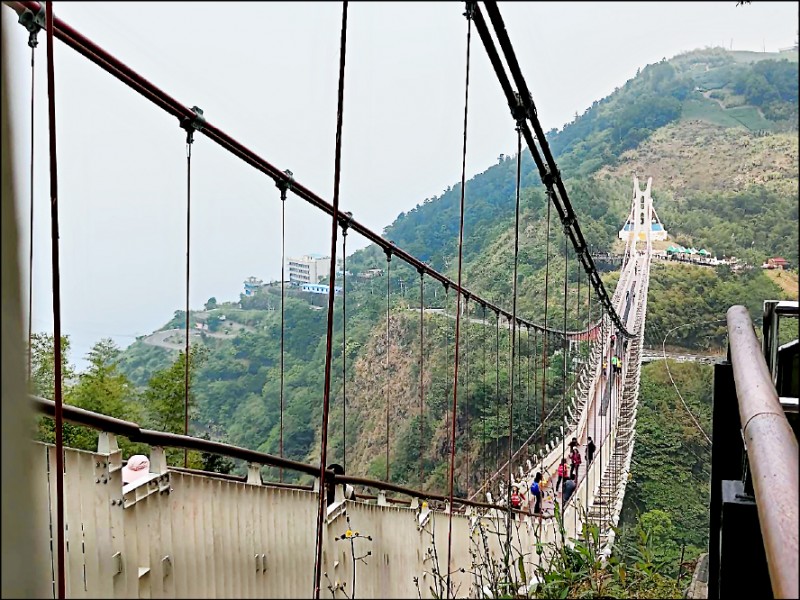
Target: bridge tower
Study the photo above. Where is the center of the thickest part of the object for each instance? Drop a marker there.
(643, 216)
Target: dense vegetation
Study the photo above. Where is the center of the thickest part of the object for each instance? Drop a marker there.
(693, 300)
(672, 502)
(237, 377)
(751, 224)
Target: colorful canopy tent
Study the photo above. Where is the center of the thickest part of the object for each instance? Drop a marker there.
(704, 252)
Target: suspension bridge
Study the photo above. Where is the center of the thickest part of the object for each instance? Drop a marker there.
(179, 532)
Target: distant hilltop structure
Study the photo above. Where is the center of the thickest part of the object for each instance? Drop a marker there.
(310, 268)
(642, 216)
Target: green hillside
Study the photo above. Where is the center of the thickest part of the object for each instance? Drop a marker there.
(719, 185)
(716, 130)
(237, 390)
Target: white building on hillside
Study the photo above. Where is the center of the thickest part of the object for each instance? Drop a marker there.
(310, 268)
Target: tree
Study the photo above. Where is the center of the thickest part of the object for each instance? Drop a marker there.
(211, 304)
(43, 384)
(43, 365)
(213, 322)
(214, 462)
(164, 396)
(103, 388)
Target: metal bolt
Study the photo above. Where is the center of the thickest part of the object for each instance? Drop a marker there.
(97, 480)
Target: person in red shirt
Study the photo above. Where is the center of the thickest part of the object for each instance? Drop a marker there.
(562, 472)
(576, 463)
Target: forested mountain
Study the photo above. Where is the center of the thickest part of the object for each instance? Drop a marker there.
(718, 133)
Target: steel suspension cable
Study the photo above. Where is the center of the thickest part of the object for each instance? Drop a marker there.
(545, 163)
(483, 409)
(588, 349)
(466, 391)
(468, 15)
(544, 333)
(165, 102)
(386, 379)
(189, 141)
(54, 241)
(421, 376)
(564, 348)
(497, 392)
(536, 416)
(603, 334)
(283, 188)
(345, 225)
(447, 370)
(519, 364)
(32, 42)
(580, 324)
(527, 380)
(591, 401)
(329, 331)
(513, 340)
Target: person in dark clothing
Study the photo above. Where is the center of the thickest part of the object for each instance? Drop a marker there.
(590, 448)
(536, 492)
(569, 488)
(573, 444)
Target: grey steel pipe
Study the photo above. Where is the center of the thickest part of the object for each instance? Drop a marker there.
(771, 453)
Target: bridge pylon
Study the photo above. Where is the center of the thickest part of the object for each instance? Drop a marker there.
(642, 216)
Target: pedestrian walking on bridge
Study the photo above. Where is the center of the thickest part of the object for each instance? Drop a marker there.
(590, 448)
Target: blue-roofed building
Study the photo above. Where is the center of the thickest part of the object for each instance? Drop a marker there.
(318, 288)
(252, 285)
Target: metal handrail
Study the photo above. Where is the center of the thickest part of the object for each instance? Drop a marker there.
(772, 453)
(133, 432)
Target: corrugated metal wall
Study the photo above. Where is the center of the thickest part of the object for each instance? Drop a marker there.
(179, 535)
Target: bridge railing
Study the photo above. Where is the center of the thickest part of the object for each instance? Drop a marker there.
(753, 537)
(188, 533)
(158, 439)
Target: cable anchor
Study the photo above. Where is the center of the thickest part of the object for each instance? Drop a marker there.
(518, 110)
(469, 9)
(34, 23)
(284, 185)
(195, 123)
(344, 221)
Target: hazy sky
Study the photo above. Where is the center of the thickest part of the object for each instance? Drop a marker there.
(266, 73)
